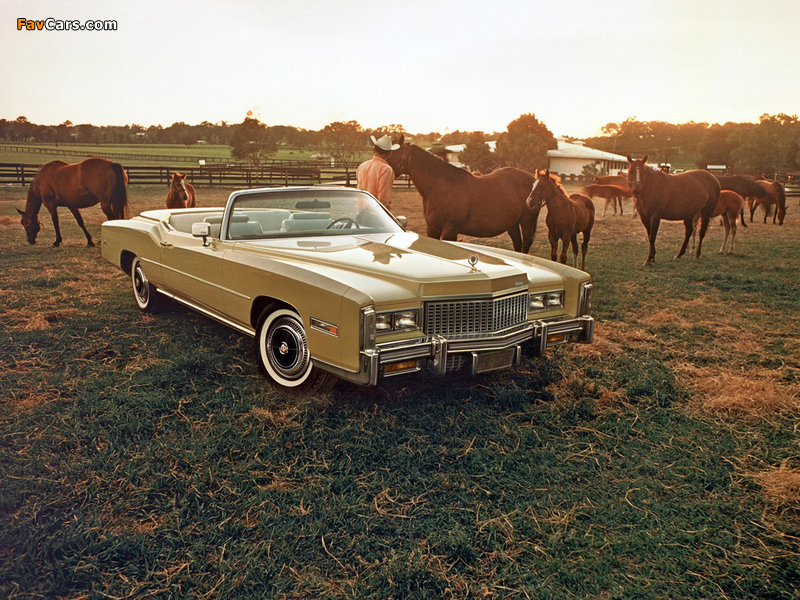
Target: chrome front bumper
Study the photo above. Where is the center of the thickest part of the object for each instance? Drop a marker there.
(533, 338)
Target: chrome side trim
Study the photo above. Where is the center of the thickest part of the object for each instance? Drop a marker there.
(209, 313)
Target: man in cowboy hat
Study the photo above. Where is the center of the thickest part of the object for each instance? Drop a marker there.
(375, 175)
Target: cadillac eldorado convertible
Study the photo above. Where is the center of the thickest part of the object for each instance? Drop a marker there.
(331, 286)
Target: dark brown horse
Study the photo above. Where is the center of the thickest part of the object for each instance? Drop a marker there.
(181, 194)
(673, 198)
(75, 186)
(455, 201)
(746, 187)
(776, 195)
(567, 216)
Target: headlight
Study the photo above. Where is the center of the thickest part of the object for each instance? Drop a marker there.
(546, 301)
(402, 320)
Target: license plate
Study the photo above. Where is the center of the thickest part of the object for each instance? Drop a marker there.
(491, 361)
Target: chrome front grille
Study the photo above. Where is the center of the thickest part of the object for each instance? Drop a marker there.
(475, 317)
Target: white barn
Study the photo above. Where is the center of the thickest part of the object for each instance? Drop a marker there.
(570, 158)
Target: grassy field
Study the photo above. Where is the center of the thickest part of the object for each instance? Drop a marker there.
(145, 457)
(178, 155)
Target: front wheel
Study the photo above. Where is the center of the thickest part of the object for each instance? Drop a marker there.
(144, 292)
(284, 358)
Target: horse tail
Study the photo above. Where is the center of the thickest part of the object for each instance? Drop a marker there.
(119, 195)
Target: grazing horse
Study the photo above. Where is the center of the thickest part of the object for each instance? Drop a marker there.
(776, 195)
(455, 201)
(746, 188)
(729, 206)
(673, 198)
(75, 186)
(610, 192)
(181, 194)
(567, 216)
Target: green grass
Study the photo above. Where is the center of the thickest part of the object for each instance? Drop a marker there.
(177, 155)
(144, 456)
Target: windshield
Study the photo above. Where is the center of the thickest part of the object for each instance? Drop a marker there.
(307, 212)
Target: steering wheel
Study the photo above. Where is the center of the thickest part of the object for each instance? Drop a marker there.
(344, 223)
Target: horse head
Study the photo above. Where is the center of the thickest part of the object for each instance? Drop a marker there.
(543, 188)
(178, 186)
(637, 175)
(32, 226)
(399, 159)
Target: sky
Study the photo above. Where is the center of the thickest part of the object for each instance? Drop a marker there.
(428, 65)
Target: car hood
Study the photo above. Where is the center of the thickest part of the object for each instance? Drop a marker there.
(421, 265)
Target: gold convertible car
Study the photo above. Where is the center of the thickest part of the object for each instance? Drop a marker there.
(331, 286)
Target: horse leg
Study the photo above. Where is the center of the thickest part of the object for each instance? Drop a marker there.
(619, 201)
(704, 220)
(564, 249)
(751, 203)
(688, 227)
(528, 225)
(733, 234)
(553, 239)
(516, 238)
(727, 224)
(53, 210)
(76, 213)
(585, 247)
(433, 232)
(652, 232)
(574, 242)
(605, 208)
(450, 234)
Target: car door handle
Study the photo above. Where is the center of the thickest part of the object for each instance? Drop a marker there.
(166, 245)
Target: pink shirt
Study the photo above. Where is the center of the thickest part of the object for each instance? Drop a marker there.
(376, 177)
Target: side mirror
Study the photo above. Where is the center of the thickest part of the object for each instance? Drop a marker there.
(403, 221)
(202, 230)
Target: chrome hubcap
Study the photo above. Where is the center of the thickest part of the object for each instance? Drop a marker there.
(287, 348)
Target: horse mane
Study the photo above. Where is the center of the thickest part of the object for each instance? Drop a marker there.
(556, 183)
(437, 166)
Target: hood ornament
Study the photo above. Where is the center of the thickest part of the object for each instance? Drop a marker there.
(473, 260)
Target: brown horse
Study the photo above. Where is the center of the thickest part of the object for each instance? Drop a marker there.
(729, 206)
(75, 186)
(181, 194)
(610, 192)
(746, 187)
(567, 216)
(673, 198)
(776, 196)
(455, 201)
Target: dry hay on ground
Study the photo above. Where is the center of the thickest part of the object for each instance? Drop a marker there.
(781, 485)
(754, 394)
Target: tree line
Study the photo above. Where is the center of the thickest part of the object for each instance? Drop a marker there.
(769, 146)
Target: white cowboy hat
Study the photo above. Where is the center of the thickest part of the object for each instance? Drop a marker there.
(385, 143)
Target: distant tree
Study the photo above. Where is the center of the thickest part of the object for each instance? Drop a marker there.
(180, 133)
(525, 144)
(477, 156)
(769, 147)
(251, 141)
(346, 142)
(590, 171)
